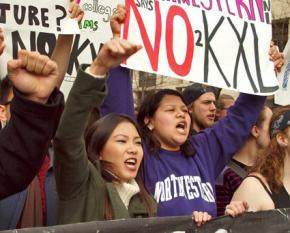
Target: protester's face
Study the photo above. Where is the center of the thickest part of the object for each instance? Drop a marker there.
(124, 151)
(227, 103)
(263, 138)
(171, 123)
(203, 111)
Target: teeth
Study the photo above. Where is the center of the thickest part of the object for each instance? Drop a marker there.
(131, 161)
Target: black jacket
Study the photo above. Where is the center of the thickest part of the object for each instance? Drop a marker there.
(25, 140)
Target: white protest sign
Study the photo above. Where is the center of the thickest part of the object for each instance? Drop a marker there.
(44, 16)
(220, 43)
(95, 29)
(282, 97)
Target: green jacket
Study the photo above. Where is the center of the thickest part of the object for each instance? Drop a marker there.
(81, 188)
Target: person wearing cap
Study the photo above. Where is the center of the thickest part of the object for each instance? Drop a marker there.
(200, 101)
(270, 178)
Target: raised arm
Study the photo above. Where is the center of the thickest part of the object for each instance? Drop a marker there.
(229, 134)
(88, 91)
(220, 142)
(120, 94)
(35, 111)
(62, 49)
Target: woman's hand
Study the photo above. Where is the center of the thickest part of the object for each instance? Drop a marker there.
(200, 217)
(236, 208)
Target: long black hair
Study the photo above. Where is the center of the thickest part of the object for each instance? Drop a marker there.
(96, 136)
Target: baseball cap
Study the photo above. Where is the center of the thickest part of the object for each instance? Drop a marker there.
(194, 91)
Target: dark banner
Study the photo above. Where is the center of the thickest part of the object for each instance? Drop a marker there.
(266, 222)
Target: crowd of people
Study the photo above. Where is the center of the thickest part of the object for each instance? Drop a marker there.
(193, 152)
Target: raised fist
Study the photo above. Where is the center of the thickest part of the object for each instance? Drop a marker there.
(33, 74)
(276, 57)
(117, 19)
(76, 12)
(112, 54)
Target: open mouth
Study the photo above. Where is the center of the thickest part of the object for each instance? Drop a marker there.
(182, 128)
(181, 125)
(131, 164)
(131, 161)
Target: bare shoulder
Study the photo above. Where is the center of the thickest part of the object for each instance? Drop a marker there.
(252, 191)
(250, 184)
(253, 183)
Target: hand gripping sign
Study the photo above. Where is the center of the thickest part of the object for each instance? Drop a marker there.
(282, 96)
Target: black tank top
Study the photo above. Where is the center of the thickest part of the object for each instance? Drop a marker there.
(280, 199)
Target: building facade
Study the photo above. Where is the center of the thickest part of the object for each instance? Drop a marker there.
(281, 22)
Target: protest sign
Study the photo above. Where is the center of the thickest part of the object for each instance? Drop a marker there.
(95, 29)
(224, 44)
(43, 16)
(282, 97)
(265, 222)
